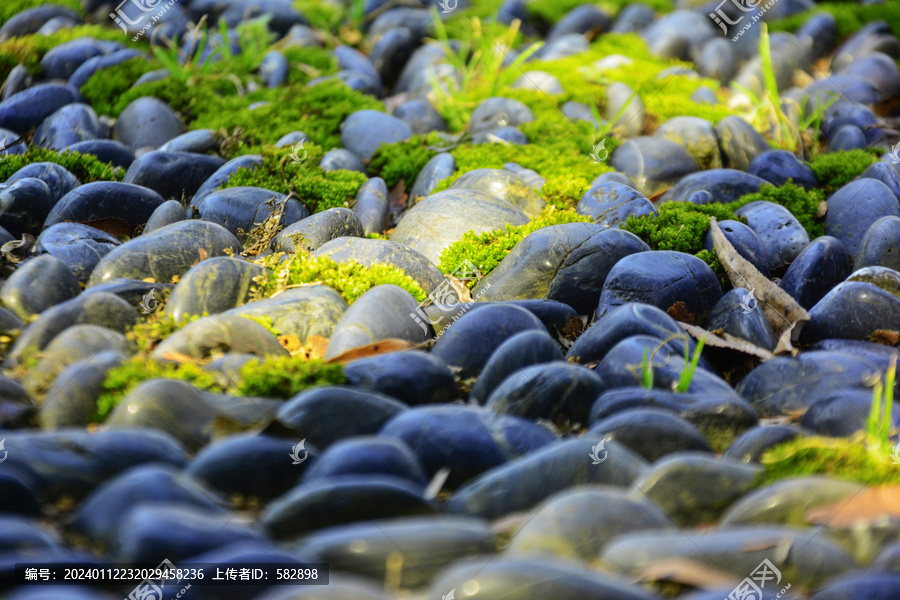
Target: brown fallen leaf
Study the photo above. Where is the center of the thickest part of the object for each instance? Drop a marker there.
(720, 339)
(782, 312)
(114, 226)
(686, 572)
(177, 357)
(381, 347)
(316, 346)
(398, 195)
(870, 505)
(679, 312)
(888, 337)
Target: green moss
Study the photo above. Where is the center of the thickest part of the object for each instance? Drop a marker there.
(849, 459)
(350, 279)
(836, 169)
(315, 187)
(321, 14)
(402, 160)
(307, 62)
(486, 250)
(850, 17)
(106, 87)
(286, 376)
(801, 203)
(10, 8)
(85, 167)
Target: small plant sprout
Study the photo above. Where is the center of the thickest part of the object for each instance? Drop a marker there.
(880, 423)
(687, 374)
(647, 371)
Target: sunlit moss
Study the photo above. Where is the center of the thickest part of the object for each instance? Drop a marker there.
(104, 89)
(836, 169)
(402, 160)
(85, 167)
(849, 459)
(10, 8)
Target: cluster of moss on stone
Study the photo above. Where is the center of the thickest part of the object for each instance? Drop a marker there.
(842, 458)
(350, 279)
(486, 250)
(85, 167)
(10, 8)
(315, 187)
(270, 377)
(836, 169)
(105, 89)
(403, 160)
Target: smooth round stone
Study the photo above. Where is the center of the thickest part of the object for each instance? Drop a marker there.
(440, 167)
(72, 399)
(305, 312)
(872, 586)
(577, 523)
(430, 543)
(563, 46)
(823, 264)
(338, 159)
(652, 433)
(19, 78)
(745, 241)
(631, 121)
(788, 502)
(365, 130)
(878, 68)
(325, 415)
(737, 551)
(367, 456)
(252, 466)
(468, 441)
(213, 286)
(23, 535)
(855, 207)
(443, 218)
(555, 391)
(886, 174)
(189, 415)
(780, 232)
(27, 109)
(147, 123)
(58, 178)
(372, 206)
(229, 333)
(165, 252)
(880, 245)
(413, 377)
(610, 204)
(840, 414)
(525, 349)
(783, 385)
(499, 135)
(581, 19)
(845, 138)
(170, 211)
(652, 163)
(568, 263)
(469, 343)
(662, 279)
(739, 142)
(633, 18)
(96, 308)
(504, 185)
(132, 291)
(103, 512)
(91, 66)
(421, 116)
(853, 310)
(694, 487)
(854, 88)
(79, 247)
(531, 479)
(779, 166)
(14, 149)
(717, 60)
(224, 173)
(173, 175)
(108, 151)
(24, 204)
(274, 69)
(70, 124)
(343, 500)
(17, 498)
(715, 414)
(199, 141)
(390, 54)
(725, 185)
(532, 178)
(244, 207)
(818, 33)
(753, 443)
(353, 60)
(695, 135)
(71, 463)
(311, 233)
(873, 37)
(132, 204)
(539, 81)
(878, 354)
(77, 343)
(381, 313)
(30, 20)
(731, 315)
(370, 252)
(176, 532)
(499, 112)
(887, 560)
(578, 111)
(290, 139)
(38, 284)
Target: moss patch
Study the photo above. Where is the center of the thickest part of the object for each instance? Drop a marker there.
(350, 279)
(848, 459)
(402, 161)
(850, 17)
(85, 167)
(836, 169)
(10, 8)
(106, 87)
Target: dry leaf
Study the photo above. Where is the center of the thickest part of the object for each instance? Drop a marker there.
(292, 344)
(726, 340)
(869, 506)
(888, 337)
(383, 347)
(316, 346)
(203, 253)
(114, 226)
(679, 312)
(781, 311)
(686, 572)
(397, 197)
(177, 357)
